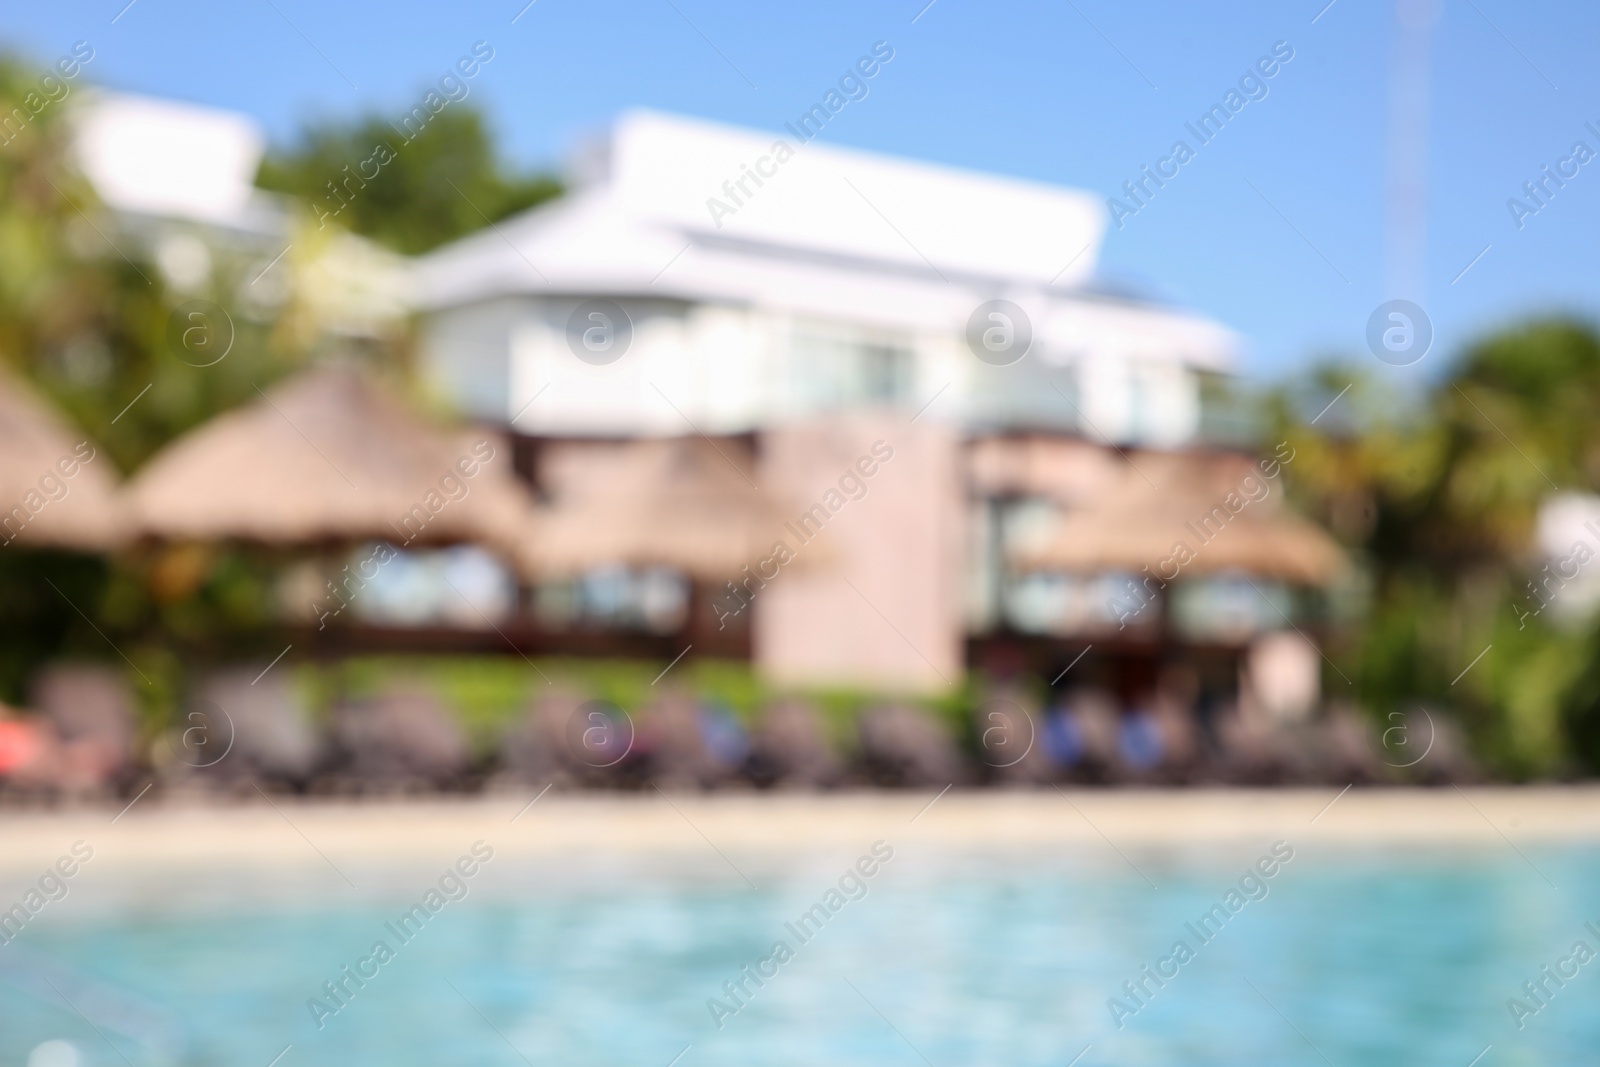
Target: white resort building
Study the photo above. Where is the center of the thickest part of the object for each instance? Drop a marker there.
(791, 304)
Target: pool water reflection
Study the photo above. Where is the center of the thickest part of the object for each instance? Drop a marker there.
(941, 958)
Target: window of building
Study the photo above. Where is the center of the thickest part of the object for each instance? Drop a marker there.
(836, 366)
(652, 599)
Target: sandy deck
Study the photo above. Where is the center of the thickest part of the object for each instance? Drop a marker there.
(241, 835)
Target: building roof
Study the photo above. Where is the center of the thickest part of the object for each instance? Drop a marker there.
(1221, 507)
(684, 503)
(832, 232)
(37, 449)
(329, 456)
(169, 159)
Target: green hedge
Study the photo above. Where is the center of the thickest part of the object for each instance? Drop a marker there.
(489, 693)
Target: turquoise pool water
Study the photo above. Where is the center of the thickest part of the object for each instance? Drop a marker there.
(949, 959)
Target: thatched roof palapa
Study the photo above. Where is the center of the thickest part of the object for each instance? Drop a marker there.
(1160, 502)
(63, 484)
(330, 456)
(684, 503)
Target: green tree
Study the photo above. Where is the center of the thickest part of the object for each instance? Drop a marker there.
(1437, 494)
(411, 195)
(88, 316)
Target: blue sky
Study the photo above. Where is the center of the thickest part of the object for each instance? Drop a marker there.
(1277, 227)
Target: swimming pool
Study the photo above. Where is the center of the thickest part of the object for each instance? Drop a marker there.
(940, 957)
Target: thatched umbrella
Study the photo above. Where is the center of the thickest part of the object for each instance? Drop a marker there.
(1199, 501)
(56, 487)
(330, 457)
(684, 503)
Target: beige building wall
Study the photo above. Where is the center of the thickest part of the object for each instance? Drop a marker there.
(873, 598)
